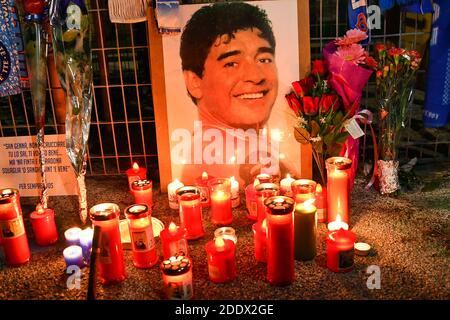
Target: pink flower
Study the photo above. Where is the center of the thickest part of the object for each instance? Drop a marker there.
(353, 53)
(351, 37)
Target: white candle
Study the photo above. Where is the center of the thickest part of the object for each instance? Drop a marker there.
(172, 193)
(86, 241)
(285, 185)
(235, 198)
(338, 224)
(72, 236)
(73, 255)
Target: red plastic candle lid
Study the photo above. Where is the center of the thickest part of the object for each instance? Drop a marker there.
(279, 205)
(141, 185)
(340, 163)
(303, 186)
(104, 211)
(266, 188)
(8, 195)
(136, 211)
(175, 266)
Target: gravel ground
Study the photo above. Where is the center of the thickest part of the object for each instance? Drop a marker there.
(410, 237)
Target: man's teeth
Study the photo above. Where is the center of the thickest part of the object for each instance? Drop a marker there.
(251, 95)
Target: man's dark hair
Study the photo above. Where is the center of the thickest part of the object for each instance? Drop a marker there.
(215, 20)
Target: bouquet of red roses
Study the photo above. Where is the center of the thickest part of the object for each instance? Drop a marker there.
(320, 115)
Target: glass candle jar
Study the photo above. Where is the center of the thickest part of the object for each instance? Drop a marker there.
(172, 193)
(221, 256)
(177, 278)
(280, 240)
(44, 227)
(173, 241)
(142, 191)
(141, 235)
(305, 231)
(109, 252)
(221, 210)
(340, 250)
(251, 200)
(135, 173)
(303, 189)
(264, 178)
(338, 188)
(191, 212)
(264, 191)
(12, 231)
(226, 233)
(260, 240)
(202, 184)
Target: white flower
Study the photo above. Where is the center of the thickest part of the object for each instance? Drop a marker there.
(322, 120)
(315, 139)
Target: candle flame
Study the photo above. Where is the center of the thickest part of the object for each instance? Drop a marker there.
(176, 180)
(40, 208)
(204, 175)
(172, 228)
(219, 243)
(232, 179)
(282, 156)
(264, 225)
(288, 176)
(135, 166)
(309, 202)
(256, 182)
(233, 159)
(319, 188)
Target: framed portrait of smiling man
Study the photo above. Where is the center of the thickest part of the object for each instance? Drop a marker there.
(226, 74)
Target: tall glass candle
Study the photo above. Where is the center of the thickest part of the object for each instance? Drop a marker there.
(12, 229)
(226, 233)
(191, 212)
(141, 234)
(321, 203)
(72, 236)
(221, 260)
(109, 254)
(44, 227)
(14, 194)
(286, 186)
(142, 192)
(135, 173)
(340, 250)
(303, 189)
(251, 200)
(235, 197)
(338, 185)
(280, 240)
(172, 193)
(173, 241)
(260, 240)
(202, 184)
(264, 191)
(221, 212)
(177, 278)
(305, 231)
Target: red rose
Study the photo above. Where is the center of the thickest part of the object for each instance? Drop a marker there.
(294, 103)
(302, 87)
(319, 67)
(34, 6)
(310, 105)
(327, 101)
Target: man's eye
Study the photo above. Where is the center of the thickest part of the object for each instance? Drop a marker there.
(266, 60)
(230, 64)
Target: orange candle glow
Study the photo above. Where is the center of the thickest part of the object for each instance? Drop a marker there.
(338, 188)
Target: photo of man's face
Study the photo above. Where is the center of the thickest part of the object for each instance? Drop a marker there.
(240, 81)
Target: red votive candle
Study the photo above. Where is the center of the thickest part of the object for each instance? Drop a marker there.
(260, 240)
(264, 191)
(191, 212)
(44, 227)
(142, 191)
(221, 260)
(141, 235)
(177, 278)
(280, 240)
(250, 200)
(303, 189)
(221, 211)
(173, 241)
(202, 184)
(110, 263)
(338, 185)
(321, 203)
(135, 173)
(340, 250)
(12, 230)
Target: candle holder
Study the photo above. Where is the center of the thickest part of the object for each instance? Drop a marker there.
(110, 254)
(340, 250)
(172, 193)
(264, 191)
(251, 200)
(264, 178)
(135, 173)
(338, 188)
(177, 278)
(260, 240)
(303, 189)
(44, 227)
(286, 186)
(191, 212)
(86, 238)
(221, 208)
(305, 231)
(280, 240)
(142, 191)
(202, 184)
(141, 234)
(72, 236)
(12, 233)
(226, 233)
(73, 256)
(221, 260)
(173, 241)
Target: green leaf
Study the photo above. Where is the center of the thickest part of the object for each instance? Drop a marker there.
(301, 135)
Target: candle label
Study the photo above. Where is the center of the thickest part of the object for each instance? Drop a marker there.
(179, 290)
(142, 239)
(204, 194)
(105, 254)
(346, 259)
(12, 228)
(178, 248)
(173, 197)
